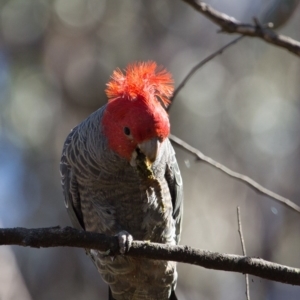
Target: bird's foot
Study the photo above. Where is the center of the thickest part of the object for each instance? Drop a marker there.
(125, 241)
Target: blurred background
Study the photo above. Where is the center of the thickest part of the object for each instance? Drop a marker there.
(242, 109)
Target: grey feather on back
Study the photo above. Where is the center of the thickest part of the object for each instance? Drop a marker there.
(174, 180)
(70, 187)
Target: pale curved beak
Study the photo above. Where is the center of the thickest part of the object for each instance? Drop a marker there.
(150, 148)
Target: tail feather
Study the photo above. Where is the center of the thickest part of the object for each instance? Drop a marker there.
(110, 296)
(173, 296)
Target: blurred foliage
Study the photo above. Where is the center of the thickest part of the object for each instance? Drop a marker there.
(242, 109)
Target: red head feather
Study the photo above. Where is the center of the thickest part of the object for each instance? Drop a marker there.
(141, 79)
(134, 103)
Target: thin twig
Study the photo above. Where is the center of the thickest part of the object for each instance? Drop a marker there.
(240, 230)
(71, 237)
(199, 65)
(231, 25)
(245, 179)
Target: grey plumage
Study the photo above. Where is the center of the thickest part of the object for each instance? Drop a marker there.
(105, 193)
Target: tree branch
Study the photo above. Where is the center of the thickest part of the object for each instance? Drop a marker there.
(240, 230)
(245, 179)
(70, 237)
(231, 25)
(198, 66)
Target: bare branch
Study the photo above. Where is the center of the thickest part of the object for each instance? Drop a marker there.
(240, 230)
(70, 237)
(199, 65)
(245, 179)
(231, 25)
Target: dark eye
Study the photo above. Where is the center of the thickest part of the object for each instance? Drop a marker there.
(126, 130)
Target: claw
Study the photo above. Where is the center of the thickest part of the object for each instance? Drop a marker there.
(125, 241)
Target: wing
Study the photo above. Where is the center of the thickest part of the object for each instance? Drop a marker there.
(70, 186)
(174, 180)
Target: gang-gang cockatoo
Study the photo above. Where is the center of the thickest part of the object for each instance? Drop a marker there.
(120, 177)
